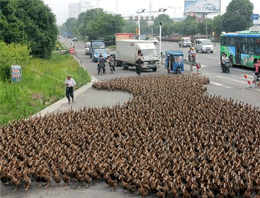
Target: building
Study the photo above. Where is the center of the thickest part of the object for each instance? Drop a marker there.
(76, 8)
(256, 25)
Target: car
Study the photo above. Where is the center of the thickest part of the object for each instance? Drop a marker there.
(155, 40)
(185, 42)
(203, 45)
(74, 39)
(87, 45)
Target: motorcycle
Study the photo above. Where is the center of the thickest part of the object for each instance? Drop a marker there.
(225, 66)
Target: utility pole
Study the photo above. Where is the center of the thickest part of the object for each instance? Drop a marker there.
(97, 5)
(116, 6)
(142, 11)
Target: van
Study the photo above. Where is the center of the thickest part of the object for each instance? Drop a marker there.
(203, 45)
(87, 46)
(185, 42)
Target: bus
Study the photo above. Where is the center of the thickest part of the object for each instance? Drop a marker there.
(242, 48)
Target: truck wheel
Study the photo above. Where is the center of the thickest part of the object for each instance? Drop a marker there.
(154, 69)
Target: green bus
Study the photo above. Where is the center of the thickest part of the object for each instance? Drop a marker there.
(242, 48)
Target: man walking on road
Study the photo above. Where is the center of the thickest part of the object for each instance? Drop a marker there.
(70, 83)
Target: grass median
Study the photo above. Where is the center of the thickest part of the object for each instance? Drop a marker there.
(42, 84)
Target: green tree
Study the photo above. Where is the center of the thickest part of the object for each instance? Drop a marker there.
(130, 26)
(105, 25)
(166, 23)
(238, 16)
(29, 22)
(217, 24)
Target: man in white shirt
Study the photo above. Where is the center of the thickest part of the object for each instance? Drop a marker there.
(70, 83)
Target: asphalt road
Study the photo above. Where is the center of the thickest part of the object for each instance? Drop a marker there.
(231, 85)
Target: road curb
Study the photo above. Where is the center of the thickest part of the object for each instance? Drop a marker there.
(78, 92)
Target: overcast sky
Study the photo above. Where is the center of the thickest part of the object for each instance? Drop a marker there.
(127, 8)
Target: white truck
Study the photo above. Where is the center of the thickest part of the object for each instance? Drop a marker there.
(185, 42)
(126, 53)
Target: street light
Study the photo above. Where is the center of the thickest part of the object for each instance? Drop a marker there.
(142, 11)
(139, 25)
(160, 61)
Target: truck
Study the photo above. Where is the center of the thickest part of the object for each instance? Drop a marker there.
(126, 53)
(95, 44)
(185, 42)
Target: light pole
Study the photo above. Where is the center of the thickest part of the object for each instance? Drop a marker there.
(116, 6)
(160, 61)
(139, 25)
(206, 25)
(142, 11)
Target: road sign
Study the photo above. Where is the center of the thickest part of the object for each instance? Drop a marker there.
(254, 17)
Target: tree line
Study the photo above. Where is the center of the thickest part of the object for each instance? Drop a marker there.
(237, 18)
(94, 23)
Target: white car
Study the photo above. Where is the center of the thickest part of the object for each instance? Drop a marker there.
(87, 45)
(203, 45)
(155, 40)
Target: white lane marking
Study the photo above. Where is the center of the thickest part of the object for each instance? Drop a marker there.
(242, 70)
(238, 81)
(221, 85)
(215, 83)
(242, 77)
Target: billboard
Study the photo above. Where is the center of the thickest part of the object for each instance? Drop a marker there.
(202, 6)
(120, 36)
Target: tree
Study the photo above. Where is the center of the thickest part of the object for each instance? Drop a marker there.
(238, 16)
(130, 26)
(29, 22)
(166, 22)
(217, 24)
(105, 25)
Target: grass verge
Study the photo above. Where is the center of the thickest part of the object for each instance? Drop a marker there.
(37, 89)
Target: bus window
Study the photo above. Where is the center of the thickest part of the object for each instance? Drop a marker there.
(251, 49)
(231, 41)
(250, 40)
(245, 49)
(225, 39)
(257, 49)
(244, 40)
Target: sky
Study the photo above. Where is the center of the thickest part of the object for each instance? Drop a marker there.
(128, 8)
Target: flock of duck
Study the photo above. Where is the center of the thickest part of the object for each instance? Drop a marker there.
(171, 139)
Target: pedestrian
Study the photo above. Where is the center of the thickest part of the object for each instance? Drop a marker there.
(101, 65)
(70, 84)
(257, 65)
(139, 62)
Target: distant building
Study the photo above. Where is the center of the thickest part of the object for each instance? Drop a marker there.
(76, 8)
(256, 25)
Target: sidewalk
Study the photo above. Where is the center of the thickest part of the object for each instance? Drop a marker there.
(87, 96)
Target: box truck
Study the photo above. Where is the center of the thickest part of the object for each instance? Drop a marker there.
(126, 53)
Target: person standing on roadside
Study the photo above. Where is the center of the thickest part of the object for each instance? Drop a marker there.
(70, 84)
(257, 65)
(73, 44)
(139, 62)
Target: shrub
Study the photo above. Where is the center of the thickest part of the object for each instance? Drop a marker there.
(12, 54)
